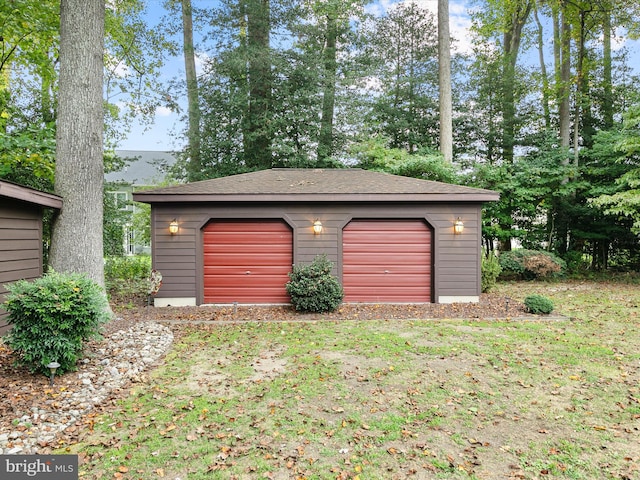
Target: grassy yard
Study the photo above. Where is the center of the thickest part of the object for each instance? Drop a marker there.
(418, 398)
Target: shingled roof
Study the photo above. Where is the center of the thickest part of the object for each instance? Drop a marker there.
(293, 184)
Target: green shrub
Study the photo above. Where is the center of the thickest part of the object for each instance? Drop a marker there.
(52, 316)
(490, 271)
(531, 264)
(312, 287)
(127, 278)
(136, 267)
(538, 304)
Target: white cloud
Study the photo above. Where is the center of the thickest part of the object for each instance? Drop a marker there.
(163, 112)
(459, 19)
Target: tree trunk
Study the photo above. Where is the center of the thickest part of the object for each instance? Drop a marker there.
(257, 129)
(444, 81)
(543, 70)
(76, 244)
(325, 140)
(512, 39)
(194, 167)
(607, 101)
(564, 66)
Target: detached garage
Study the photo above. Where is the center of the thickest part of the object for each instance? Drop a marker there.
(21, 211)
(391, 239)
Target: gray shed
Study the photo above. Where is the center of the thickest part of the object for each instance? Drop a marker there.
(21, 210)
(392, 239)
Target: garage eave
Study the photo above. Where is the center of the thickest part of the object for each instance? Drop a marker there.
(321, 197)
(29, 195)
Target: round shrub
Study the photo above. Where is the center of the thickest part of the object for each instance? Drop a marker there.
(312, 288)
(531, 264)
(52, 316)
(538, 304)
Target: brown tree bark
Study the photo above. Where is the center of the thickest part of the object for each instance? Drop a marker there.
(444, 81)
(76, 244)
(194, 167)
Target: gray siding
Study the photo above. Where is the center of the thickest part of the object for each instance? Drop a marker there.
(20, 246)
(456, 258)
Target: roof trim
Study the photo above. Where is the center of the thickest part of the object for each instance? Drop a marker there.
(29, 195)
(481, 196)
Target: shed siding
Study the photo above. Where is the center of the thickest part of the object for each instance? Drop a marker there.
(456, 258)
(20, 246)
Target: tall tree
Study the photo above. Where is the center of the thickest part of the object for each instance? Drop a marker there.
(77, 243)
(195, 164)
(515, 20)
(403, 47)
(444, 81)
(257, 128)
(330, 64)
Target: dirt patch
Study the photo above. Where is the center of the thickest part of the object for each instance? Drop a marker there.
(268, 365)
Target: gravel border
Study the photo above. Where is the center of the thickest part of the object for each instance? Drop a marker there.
(120, 357)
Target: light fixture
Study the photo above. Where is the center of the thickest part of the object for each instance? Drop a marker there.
(173, 227)
(458, 226)
(317, 227)
(53, 366)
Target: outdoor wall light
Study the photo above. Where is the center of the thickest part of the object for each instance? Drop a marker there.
(458, 226)
(317, 227)
(53, 366)
(173, 227)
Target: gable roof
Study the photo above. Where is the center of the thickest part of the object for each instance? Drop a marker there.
(29, 195)
(307, 184)
(143, 168)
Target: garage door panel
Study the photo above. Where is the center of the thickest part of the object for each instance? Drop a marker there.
(251, 283)
(256, 239)
(242, 260)
(394, 226)
(402, 258)
(244, 251)
(247, 262)
(387, 261)
(399, 295)
(406, 270)
(231, 296)
(248, 273)
(415, 248)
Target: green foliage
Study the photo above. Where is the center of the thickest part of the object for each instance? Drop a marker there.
(374, 154)
(312, 287)
(52, 316)
(127, 278)
(27, 157)
(113, 224)
(538, 304)
(531, 264)
(136, 267)
(625, 201)
(490, 271)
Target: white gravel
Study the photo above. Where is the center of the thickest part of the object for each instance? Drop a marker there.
(120, 358)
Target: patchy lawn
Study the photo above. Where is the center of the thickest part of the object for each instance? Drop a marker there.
(374, 399)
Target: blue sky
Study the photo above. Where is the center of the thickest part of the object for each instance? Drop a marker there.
(158, 137)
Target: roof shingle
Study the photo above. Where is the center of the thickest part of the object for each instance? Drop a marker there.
(314, 184)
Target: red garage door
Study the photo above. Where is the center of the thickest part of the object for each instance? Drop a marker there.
(247, 262)
(387, 261)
